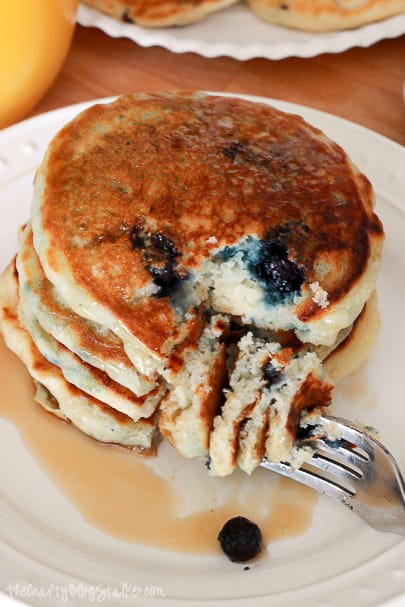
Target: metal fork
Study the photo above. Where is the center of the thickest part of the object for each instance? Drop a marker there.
(357, 470)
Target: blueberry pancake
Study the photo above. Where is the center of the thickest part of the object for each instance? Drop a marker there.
(220, 251)
(159, 13)
(153, 207)
(325, 15)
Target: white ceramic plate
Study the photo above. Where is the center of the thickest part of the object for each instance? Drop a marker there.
(238, 33)
(338, 561)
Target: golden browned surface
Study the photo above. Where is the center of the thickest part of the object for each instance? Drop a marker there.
(191, 168)
(312, 394)
(190, 342)
(90, 340)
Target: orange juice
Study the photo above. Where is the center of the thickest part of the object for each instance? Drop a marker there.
(34, 38)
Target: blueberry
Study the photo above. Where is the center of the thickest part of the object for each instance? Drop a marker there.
(164, 244)
(240, 539)
(271, 249)
(281, 275)
(126, 17)
(159, 254)
(271, 374)
(233, 150)
(166, 278)
(137, 237)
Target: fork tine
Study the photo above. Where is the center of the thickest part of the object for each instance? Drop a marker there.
(376, 451)
(382, 504)
(356, 469)
(350, 433)
(307, 477)
(343, 455)
(343, 477)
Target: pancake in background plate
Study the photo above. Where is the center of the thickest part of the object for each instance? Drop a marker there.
(159, 13)
(325, 15)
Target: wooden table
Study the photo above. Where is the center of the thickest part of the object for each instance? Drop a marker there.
(363, 85)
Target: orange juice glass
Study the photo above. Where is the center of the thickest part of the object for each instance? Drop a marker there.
(35, 36)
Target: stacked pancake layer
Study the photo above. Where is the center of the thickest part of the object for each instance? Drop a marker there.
(189, 262)
(57, 395)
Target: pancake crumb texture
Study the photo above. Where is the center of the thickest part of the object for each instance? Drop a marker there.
(196, 268)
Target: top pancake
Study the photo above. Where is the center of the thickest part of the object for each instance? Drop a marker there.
(133, 198)
(159, 13)
(324, 15)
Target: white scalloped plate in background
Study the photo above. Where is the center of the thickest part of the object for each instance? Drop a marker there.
(237, 32)
(338, 561)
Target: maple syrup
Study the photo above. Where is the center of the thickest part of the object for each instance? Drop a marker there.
(126, 496)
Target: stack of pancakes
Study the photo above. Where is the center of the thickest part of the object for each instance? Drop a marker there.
(311, 15)
(190, 262)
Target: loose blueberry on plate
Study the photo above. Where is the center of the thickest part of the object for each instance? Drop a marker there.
(240, 539)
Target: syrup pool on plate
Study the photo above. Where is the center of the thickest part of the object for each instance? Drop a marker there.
(167, 502)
